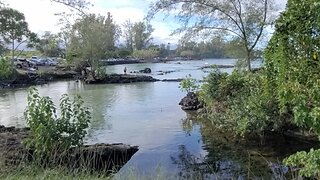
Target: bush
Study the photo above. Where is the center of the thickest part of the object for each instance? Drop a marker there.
(50, 133)
(6, 69)
(306, 162)
(239, 102)
(189, 84)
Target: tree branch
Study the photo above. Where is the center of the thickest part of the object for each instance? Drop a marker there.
(262, 26)
(79, 7)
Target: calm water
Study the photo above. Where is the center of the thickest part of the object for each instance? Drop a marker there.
(143, 114)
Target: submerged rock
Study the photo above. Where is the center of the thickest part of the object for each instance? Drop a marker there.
(191, 102)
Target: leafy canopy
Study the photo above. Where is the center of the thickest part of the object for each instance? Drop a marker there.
(245, 19)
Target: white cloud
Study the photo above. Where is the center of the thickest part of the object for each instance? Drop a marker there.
(39, 14)
(120, 15)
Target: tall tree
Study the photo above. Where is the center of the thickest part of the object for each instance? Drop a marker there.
(14, 28)
(141, 35)
(245, 19)
(128, 34)
(91, 39)
(49, 45)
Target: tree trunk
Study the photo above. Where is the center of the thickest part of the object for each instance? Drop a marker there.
(12, 60)
(249, 59)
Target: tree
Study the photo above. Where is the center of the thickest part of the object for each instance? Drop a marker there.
(245, 19)
(128, 34)
(92, 39)
(49, 45)
(14, 28)
(78, 5)
(292, 63)
(3, 48)
(141, 35)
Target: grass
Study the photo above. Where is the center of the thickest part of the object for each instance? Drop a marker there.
(32, 172)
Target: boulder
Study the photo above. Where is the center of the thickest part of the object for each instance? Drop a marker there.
(146, 70)
(191, 102)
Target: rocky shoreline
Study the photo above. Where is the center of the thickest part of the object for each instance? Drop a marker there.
(97, 157)
(120, 78)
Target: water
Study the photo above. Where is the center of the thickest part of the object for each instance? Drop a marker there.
(143, 114)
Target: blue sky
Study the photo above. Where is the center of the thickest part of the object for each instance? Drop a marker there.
(40, 15)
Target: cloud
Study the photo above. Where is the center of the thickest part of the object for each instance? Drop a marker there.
(39, 14)
(120, 15)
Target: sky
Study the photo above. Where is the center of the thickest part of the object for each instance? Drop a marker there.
(40, 14)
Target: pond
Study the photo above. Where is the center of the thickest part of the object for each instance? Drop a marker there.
(148, 115)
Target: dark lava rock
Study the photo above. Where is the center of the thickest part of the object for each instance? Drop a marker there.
(172, 80)
(146, 70)
(121, 78)
(191, 102)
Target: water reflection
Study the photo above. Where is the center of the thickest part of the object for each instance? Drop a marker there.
(229, 158)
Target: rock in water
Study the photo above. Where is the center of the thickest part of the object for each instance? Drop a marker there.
(146, 70)
(191, 102)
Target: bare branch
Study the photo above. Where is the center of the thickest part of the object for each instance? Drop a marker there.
(262, 26)
(78, 5)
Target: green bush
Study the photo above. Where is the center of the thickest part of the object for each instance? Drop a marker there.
(6, 69)
(189, 84)
(238, 102)
(292, 64)
(306, 162)
(50, 132)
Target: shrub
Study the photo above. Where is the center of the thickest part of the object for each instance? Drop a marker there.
(306, 162)
(240, 103)
(50, 132)
(189, 84)
(6, 69)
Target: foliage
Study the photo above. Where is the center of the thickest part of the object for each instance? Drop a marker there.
(3, 48)
(49, 45)
(92, 39)
(137, 35)
(14, 28)
(307, 162)
(128, 34)
(187, 53)
(189, 84)
(145, 54)
(292, 64)
(141, 35)
(238, 102)
(6, 70)
(50, 132)
(243, 19)
(292, 60)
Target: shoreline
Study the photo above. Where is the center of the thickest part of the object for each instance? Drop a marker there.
(107, 157)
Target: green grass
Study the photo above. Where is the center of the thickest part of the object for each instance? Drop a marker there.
(34, 173)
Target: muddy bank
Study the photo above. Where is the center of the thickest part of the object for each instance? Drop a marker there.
(97, 157)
